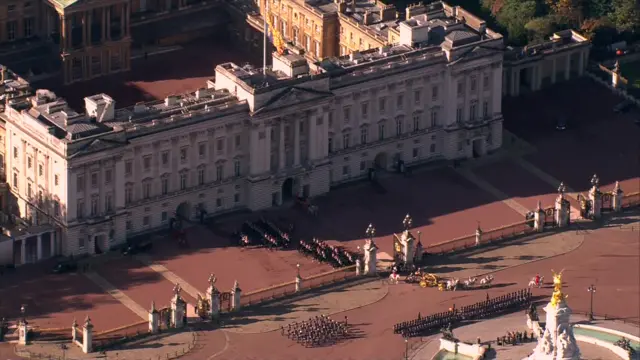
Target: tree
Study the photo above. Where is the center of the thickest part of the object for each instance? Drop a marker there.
(541, 27)
(596, 9)
(600, 31)
(626, 15)
(514, 15)
(568, 11)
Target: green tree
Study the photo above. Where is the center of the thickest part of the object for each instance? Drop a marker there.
(596, 9)
(514, 15)
(626, 15)
(541, 27)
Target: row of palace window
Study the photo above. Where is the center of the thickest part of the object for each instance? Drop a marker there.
(165, 156)
(400, 129)
(164, 216)
(382, 103)
(346, 169)
(473, 84)
(473, 112)
(13, 31)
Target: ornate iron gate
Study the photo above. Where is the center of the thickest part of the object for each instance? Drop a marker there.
(585, 206)
(550, 217)
(607, 202)
(225, 301)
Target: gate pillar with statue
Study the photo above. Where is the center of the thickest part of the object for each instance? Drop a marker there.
(617, 196)
(87, 336)
(404, 248)
(539, 218)
(562, 208)
(154, 319)
(178, 308)
(370, 257)
(236, 293)
(213, 296)
(595, 196)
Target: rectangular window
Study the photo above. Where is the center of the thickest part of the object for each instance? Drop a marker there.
(416, 122)
(218, 202)
(165, 158)
(416, 153)
(380, 131)
(363, 135)
(485, 82)
(432, 148)
(220, 145)
(80, 184)
(434, 118)
(15, 152)
(330, 145)
(183, 154)
(12, 26)
(129, 225)
(28, 27)
(485, 109)
(472, 112)
(364, 109)
(128, 167)
(345, 170)
(146, 162)
(460, 88)
(146, 190)
(128, 195)
(382, 104)
(56, 179)
(29, 162)
(345, 141)
(107, 176)
(473, 83)
(165, 186)
(399, 127)
(183, 181)
(94, 206)
(56, 208)
(146, 221)
(434, 93)
(108, 203)
(80, 209)
(164, 217)
(219, 172)
(40, 170)
(15, 181)
(236, 167)
(201, 173)
(363, 165)
(236, 198)
(29, 191)
(347, 114)
(238, 142)
(400, 101)
(202, 150)
(94, 179)
(416, 97)
(459, 114)
(81, 242)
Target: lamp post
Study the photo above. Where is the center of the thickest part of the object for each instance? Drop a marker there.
(407, 222)
(562, 188)
(595, 181)
(406, 348)
(371, 231)
(591, 289)
(23, 313)
(298, 270)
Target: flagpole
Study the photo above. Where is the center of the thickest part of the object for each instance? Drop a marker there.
(266, 29)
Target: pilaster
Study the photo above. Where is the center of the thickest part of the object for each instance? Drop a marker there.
(567, 69)
(281, 153)
(296, 142)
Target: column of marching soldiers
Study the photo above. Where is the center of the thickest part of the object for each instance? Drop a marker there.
(485, 309)
(316, 331)
(265, 233)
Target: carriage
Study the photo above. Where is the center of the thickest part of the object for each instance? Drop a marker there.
(430, 280)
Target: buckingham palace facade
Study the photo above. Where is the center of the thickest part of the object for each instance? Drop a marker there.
(252, 138)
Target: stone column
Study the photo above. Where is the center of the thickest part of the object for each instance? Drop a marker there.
(154, 319)
(554, 70)
(63, 33)
(567, 69)
(478, 235)
(89, 27)
(39, 247)
(52, 245)
(312, 135)
(236, 293)
(213, 295)
(84, 28)
(281, 153)
(23, 251)
(581, 63)
(370, 258)
(296, 142)
(108, 23)
(74, 331)
(87, 336)
(616, 198)
(123, 19)
(23, 332)
(496, 90)
(539, 218)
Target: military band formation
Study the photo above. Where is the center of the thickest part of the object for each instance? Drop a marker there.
(320, 251)
(489, 308)
(262, 233)
(317, 331)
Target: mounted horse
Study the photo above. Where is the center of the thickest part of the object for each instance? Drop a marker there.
(486, 281)
(536, 281)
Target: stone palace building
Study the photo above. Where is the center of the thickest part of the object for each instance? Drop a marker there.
(253, 138)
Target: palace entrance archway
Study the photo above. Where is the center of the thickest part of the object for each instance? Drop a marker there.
(381, 161)
(287, 189)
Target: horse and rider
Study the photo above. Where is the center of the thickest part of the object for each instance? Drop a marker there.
(537, 281)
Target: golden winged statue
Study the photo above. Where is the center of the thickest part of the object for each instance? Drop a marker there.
(557, 296)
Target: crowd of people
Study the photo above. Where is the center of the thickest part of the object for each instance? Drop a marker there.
(318, 331)
(485, 309)
(262, 233)
(515, 338)
(321, 251)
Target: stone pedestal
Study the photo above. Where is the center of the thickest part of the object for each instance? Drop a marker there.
(407, 242)
(236, 293)
(298, 283)
(87, 336)
(557, 342)
(213, 295)
(539, 218)
(616, 197)
(595, 196)
(178, 311)
(370, 257)
(358, 267)
(74, 331)
(154, 319)
(23, 332)
(563, 211)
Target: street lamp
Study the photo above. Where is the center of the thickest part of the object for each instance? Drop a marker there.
(591, 289)
(419, 236)
(371, 231)
(595, 181)
(407, 222)
(562, 188)
(23, 311)
(406, 348)
(298, 270)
